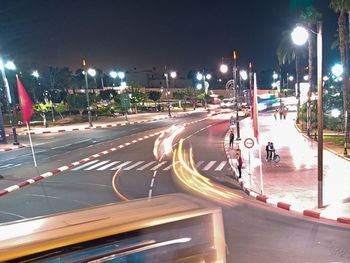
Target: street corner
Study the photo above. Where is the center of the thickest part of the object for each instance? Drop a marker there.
(10, 147)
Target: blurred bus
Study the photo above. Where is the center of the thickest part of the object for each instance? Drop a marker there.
(169, 228)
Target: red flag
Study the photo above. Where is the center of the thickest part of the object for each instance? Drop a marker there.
(255, 110)
(25, 102)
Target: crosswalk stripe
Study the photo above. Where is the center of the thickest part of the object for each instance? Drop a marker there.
(84, 165)
(168, 167)
(120, 165)
(96, 165)
(209, 165)
(145, 166)
(199, 164)
(220, 166)
(107, 166)
(134, 165)
(158, 165)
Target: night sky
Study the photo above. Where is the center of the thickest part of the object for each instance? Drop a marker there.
(181, 34)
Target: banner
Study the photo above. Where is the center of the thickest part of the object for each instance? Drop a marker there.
(2, 129)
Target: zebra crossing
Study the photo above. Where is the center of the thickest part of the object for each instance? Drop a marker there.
(112, 165)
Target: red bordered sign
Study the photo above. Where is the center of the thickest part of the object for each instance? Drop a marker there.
(249, 143)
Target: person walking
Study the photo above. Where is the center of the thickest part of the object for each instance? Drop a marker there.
(281, 113)
(285, 109)
(232, 137)
(239, 165)
(267, 150)
(271, 150)
(275, 114)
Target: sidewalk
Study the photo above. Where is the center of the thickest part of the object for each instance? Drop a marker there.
(293, 181)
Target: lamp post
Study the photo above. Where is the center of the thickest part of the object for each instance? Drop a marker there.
(92, 73)
(167, 91)
(9, 65)
(202, 77)
(300, 36)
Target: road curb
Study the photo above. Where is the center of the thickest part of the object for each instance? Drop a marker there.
(82, 161)
(273, 202)
(11, 148)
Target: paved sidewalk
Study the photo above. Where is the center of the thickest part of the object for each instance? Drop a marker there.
(293, 181)
(9, 147)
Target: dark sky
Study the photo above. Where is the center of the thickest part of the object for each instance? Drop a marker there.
(125, 34)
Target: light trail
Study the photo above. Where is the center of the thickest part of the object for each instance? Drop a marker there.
(115, 187)
(186, 172)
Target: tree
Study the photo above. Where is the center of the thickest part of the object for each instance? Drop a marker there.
(60, 108)
(311, 17)
(42, 108)
(108, 94)
(180, 96)
(340, 6)
(154, 95)
(63, 79)
(191, 93)
(77, 102)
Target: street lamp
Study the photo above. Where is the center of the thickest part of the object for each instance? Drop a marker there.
(92, 73)
(166, 75)
(11, 66)
(203, 77)
(337, 70)
(300, 36)
(223, 68)
(290, 78)
(275, 75)
(113, 75)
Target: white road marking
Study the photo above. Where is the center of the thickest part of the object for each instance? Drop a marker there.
(168, 168)
(96, 165)
(134, 165)
(220, 166)
(152, 182)
(209, 165)
(158, 165)
(107, 166)
(145, 166)
(84, 165)
(121, 165)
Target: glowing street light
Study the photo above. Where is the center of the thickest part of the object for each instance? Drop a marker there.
(91, 72)
(173, 74)
(337, 70)
(121, 75)
(291, 78)
(325, 78)
(275, 76)
(223, 68)
(208, 76)
(35, 74)
(199, 86)
(243, 74)
(299, 35)
(113, 74)
(335, 113)
(306, 77)
(199, 76)
(10, 65)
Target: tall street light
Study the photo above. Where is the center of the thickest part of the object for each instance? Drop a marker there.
(11, 66)
(300, 36)
(202, 77)
(92, 73)
(166, 75)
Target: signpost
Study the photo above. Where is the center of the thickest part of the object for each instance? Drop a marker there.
(249, 143)
(2, 129)
(125, 103)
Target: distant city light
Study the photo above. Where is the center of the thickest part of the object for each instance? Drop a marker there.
(325, 78)
(113, 74)
(306, 77)
(299, 35)
(121, 74)
(91, 72)
(10, 65)
(223, 68)
(337, 70)
(335, 113)
(35, 74)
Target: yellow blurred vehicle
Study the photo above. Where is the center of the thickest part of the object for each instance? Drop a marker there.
(169, 228)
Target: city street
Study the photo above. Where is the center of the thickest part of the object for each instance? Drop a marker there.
(254, 231)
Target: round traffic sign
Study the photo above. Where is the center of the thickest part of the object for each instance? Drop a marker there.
(249, 143)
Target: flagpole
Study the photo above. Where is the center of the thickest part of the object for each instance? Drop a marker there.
(31, 145)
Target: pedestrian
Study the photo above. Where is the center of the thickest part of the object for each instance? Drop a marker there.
(271, 150)
(275, 114)
(285, 109)
(267, 150)
(281, 113)
(239, 165)
(232, 137)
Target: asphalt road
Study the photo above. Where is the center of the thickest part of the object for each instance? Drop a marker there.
(254, 231)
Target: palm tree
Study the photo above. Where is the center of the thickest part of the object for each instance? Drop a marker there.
(310, 16)
(339, 6)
